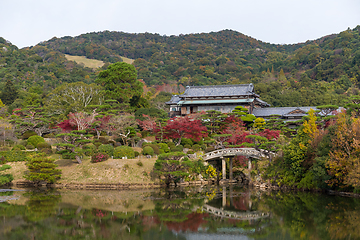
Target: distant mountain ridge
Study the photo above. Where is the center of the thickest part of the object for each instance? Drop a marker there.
(323, 69)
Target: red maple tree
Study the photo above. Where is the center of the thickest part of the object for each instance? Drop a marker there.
(183, 127)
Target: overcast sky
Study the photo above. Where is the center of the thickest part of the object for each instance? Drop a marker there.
(28, 22)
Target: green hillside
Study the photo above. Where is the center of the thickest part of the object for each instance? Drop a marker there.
(313, 73)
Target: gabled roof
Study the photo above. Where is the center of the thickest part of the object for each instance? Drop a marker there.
(261, 102)
(219, 90)
(174, 100)
(282, 111)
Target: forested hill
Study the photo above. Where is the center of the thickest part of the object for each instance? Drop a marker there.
(317, 72)
(311, 73)
(39, 67)
(206, 58)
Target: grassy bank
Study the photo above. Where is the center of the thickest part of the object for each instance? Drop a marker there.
(111, 171)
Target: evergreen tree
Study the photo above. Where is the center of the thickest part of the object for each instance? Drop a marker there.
(42, 168)
(9, 93)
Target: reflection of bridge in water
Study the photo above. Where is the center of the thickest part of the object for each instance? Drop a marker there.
(234, 197)
(254, 215)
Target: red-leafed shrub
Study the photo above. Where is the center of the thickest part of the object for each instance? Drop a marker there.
(99, 157)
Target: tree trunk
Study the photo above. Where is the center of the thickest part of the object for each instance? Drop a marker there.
(78, 159)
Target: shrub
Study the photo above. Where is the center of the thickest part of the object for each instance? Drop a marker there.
(187, 146)
(186, 141)
(164, 147)
(18, 147)
(97, 144)
(47, 151)
(107, 149)
(171, 145)
(155, 148)
(179, 148)
(43, 145)
(147, 150)
(14, 156)
(190, 152)
(23, 142)
(136, 153)
(99, 157)
(68, 155)
(28, 134)
(171, 156)
(196, 147)
(30, 147)
(5, 179)
(89, 149)
(35, 140)
(140, 164)
(124, 151)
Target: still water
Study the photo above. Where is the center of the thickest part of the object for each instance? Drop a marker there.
(186, 213)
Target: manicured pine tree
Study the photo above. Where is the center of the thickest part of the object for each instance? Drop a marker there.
(42, 169)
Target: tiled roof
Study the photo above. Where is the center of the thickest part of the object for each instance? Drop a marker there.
(174, 100)
(283, 111)
(262, 102)
(219, 90)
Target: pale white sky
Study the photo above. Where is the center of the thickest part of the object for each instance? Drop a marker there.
(28, 22)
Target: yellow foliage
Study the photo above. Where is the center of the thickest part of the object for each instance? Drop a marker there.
(310, 127)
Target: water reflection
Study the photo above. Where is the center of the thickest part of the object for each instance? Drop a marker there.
(187, 213)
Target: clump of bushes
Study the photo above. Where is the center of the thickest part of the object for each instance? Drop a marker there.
(18, 147)
(107, 149)
(99, 157)
(89, 149)
(124, 151)
(30, 147)
(35, 140)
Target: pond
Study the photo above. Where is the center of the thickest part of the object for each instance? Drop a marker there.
(210, 212)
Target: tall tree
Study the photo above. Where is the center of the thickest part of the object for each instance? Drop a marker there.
(120, 82)
(9, 93)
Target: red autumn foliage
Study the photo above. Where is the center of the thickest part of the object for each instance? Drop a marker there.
(183, 127)
(148, 124)
(270, 134)
(66, 126)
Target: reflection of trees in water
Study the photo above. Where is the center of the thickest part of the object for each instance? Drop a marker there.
(41, 204)
(316, 216)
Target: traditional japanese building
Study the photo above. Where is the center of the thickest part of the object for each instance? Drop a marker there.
(284, 113)
(223, 98)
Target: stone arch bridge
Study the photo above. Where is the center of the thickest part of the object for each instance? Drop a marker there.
(232, 152)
